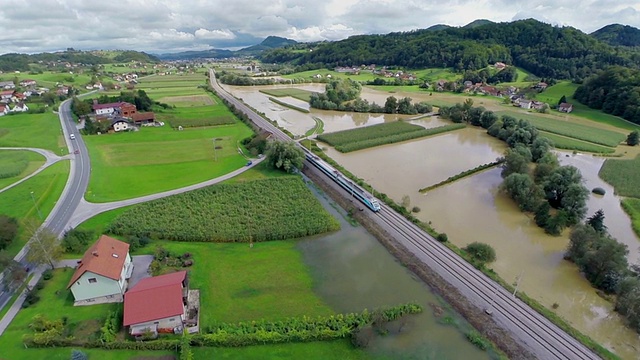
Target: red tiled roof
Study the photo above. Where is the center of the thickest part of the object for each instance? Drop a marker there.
(143, 116)
(110, 105)
(7, 92)
(154, 298)
(106, 257)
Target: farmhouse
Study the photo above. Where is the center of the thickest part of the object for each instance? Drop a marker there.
(7, 85)
(4, 109)
(122, 108)
(143, 118)
(27, 82)
(20, 107)
(119, 123)
(6, 95)
(101, 275)
(565, 107)
(159, 304)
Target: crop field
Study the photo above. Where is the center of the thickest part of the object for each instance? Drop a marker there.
(188, 101)
(319, 350)
(624, 175)
(197, 116)
(567, 143)
(82, 321)
(156, 159)
(632, 207)
(32, 130)
(46, 187)
(363, 76)
(376, 135)
(299, 94)
(49, 79)
(570, 129)
(158, 87)
(263, 210)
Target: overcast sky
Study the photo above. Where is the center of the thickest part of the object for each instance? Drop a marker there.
(162, 26)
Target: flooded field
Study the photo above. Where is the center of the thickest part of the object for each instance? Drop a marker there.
(353, 271)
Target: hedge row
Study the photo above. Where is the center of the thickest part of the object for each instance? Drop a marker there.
(292, 107)
(461, 175)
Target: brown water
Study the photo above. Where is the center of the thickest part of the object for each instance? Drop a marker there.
(352, 271)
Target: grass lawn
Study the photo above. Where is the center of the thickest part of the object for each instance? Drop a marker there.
(56, 301)
(363, 76)
(152, 160)
(553, 94)
(520, 82)
(340, 349)
(567, 143)
(570, 129)
(300, 94)
(624, 175)
(34, 159)
(435, 74)
(46, 187)
(632, 207)
(49, 78)
(188, 100)
(32, 130)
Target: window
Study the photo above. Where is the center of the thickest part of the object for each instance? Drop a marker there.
(156, 322)
(172, 319)
(93, 280)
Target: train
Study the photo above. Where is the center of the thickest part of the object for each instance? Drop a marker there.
(364, 197)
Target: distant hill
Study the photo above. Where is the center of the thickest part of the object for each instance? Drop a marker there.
(22, 62)
(476, 23)
(437, 27)
(616, 34)
(271, 42)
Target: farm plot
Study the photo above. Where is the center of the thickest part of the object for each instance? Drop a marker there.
(188, 100)
(197, 116)
(14, 165)
(632, 207)
(32, 130)
(262, 210)
(624, 175)
(299, 94)
(567, 143)
(382, 134)
(573, 130)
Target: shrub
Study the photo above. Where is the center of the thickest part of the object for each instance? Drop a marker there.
(111, 326)
(481, 252)
(78, 355)
(8, 230)
(599, 191)
(442, 237)
(47, 275)
(415, 209)
(75, 241)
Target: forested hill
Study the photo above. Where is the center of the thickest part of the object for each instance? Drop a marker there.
(615, 91)
(544, 50)
(21, 62)
(616, 34)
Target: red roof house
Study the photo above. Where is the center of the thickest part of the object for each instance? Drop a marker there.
(101, 275)
(156, 304)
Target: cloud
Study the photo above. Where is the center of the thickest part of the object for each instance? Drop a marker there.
(169, 25)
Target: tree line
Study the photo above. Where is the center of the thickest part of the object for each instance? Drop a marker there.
(542, 49)
(344, 95)
(615, 91)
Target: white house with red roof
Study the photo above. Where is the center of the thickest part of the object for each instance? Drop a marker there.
(20, 107)
(28, 82)
(157, 304)
(6, 95)
(102, 274)
(4, 109)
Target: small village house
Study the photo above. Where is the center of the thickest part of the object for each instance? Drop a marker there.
(121, 108)
(20, 107)
(101, 276)
(565, 108)
(142, 118)
(4, 109)
(157, 304)
(28, 82)
(7, 85)
(119, 123)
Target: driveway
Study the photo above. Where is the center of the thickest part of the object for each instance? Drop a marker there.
(140, 268)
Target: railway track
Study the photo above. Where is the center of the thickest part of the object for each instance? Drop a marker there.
(537, 333)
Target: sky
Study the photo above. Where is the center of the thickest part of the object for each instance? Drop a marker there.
(166, 26)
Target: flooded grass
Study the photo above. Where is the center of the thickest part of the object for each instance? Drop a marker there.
(567, 143)
(632, 208)
(624, 175)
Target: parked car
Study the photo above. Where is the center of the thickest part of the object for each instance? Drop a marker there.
(250, 163)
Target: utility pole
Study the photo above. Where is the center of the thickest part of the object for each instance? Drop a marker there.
(36, 205)
(518, 278)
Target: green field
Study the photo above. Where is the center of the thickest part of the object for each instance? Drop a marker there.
(32, 130)
(363, 76)
(49, 79)
(197, 116)
(570, 129)
(83, 321)
(10, 159)
(46, 187)
(624, 175)
(553, 94)
(632, 207)
(567, 143)
(435, 74)
(341, 349)
(158, 87)
(262, 210)
(155, 159)
(299, 94)
(188, 100)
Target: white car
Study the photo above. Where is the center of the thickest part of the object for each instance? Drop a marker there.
(72, 136)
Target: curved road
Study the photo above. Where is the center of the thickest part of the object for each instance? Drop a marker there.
(535, 332)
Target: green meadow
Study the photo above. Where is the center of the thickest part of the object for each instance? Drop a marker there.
(32, 130)
(33, 162)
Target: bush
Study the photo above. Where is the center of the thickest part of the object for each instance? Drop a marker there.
(8, 230)
(111, 326)
(76, 241)
(47, 274)
(415, 209)
(442, 237)
(599, 191)
(481, 252)
(78, 355)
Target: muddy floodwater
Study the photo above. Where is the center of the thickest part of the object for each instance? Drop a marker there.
(353, 271)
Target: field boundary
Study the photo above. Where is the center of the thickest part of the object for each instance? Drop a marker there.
(287, 105)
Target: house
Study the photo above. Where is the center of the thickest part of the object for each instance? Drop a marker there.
(7, 85)
(525, 104)
(6, 95)
(500, 65)
(20, 107)
(121, 108)
(540, 86)
(565, 107)
(143, 118)
(62, 90)
(4, 109)
(157, 304)
(101, 276)
(119, 123)
(18, 97)
(27, 82)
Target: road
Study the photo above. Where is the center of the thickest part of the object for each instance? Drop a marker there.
(532, 330)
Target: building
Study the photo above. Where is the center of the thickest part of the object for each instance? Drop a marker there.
(101, 276)
(119, 123)
(28, 82)
(143, 118)
(121, 108)
(7, 85)
(4, 109)
(565, 107)
(20, 107)
(157, 304)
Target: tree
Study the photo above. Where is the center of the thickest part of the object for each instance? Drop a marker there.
(44, 247)
(634, 138)
(285, 155)
(596, 221)
(15, 273)
(391, 105)
(481, 252)
(558, 182)
(522, 190)
(516, 161)
(488, 118)
(8, 230)
(540, 147)
(562, 100)
(628, 300)
(80, 107)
